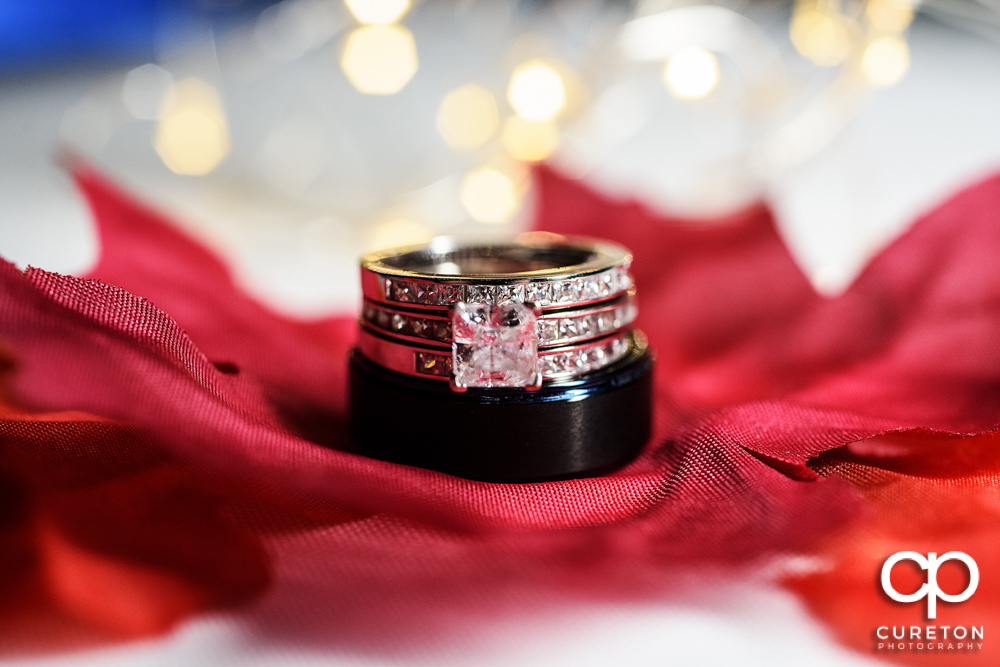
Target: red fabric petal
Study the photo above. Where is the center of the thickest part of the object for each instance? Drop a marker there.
(913, 342)
(918, 510)
(300, 366)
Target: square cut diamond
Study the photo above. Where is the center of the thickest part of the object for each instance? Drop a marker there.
(494, 345)
(482, 293)
(422, 292)
(539, 294)
(505, 293)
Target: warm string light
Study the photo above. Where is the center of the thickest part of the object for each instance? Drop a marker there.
(192, 136)
(467, 118)
(380, 57)
(691, 73)
(378, 12)
(530, 140)
(489, 195)
(826, 37)
(536, 91)
(885, 60)
(889, 15)
(822, 34)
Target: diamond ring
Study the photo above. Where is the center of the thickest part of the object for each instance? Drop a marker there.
(551, 364)
(515, 314)
(554, 328)
(526, 351)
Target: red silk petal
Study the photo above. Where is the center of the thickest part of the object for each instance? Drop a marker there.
(912, 344)
(300, 366)
(125, 540)
(922, 513)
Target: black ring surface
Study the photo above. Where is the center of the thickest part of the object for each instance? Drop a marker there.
(578, 428)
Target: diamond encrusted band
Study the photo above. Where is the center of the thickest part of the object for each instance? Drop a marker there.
(557, 328)
(523, 352)
(549, 271)
(559, 293)
(555, 363)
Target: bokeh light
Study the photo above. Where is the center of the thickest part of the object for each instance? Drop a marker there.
(536, 91)
(822, 37)
(488, 195)
(530, 140)
(885, 61)
(889, 15)
(378, 11)
(468, 118)
(379, 59)
(396, 231)
(691, 73)
(192, 136)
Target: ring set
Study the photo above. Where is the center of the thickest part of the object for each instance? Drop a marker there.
(524, 351)
(498, 316)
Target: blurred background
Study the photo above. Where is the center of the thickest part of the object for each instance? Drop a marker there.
(293, 135)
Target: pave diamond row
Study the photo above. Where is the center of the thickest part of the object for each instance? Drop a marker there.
(583, 360)
(553, 365)
(576, 290)
(581, 327)
(437, 329)
(550, 329)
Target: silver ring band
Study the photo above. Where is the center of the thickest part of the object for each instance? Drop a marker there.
(558, 328)
(557, 363)
(546, 270)
(544, 307)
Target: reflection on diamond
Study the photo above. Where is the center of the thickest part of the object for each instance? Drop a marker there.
(583, 360)
(539, 294)
(428, 363)
(422, 292)
(447, 294)
(606, 284)
(505, 293)
(494, 345)
(442, 331)
(548, 330)
(586, 289)
(402, 292)
(480, 293)
(571, 327)
(623, 279)
(564, 292)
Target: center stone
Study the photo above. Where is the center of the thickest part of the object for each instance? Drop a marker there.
(494, 345)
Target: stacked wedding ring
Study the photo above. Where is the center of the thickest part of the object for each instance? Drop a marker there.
(480, 331)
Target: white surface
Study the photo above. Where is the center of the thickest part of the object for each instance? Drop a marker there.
(771, 631)
(913, 146)
(711, 621)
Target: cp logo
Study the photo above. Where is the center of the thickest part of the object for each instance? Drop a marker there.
(930, 590)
